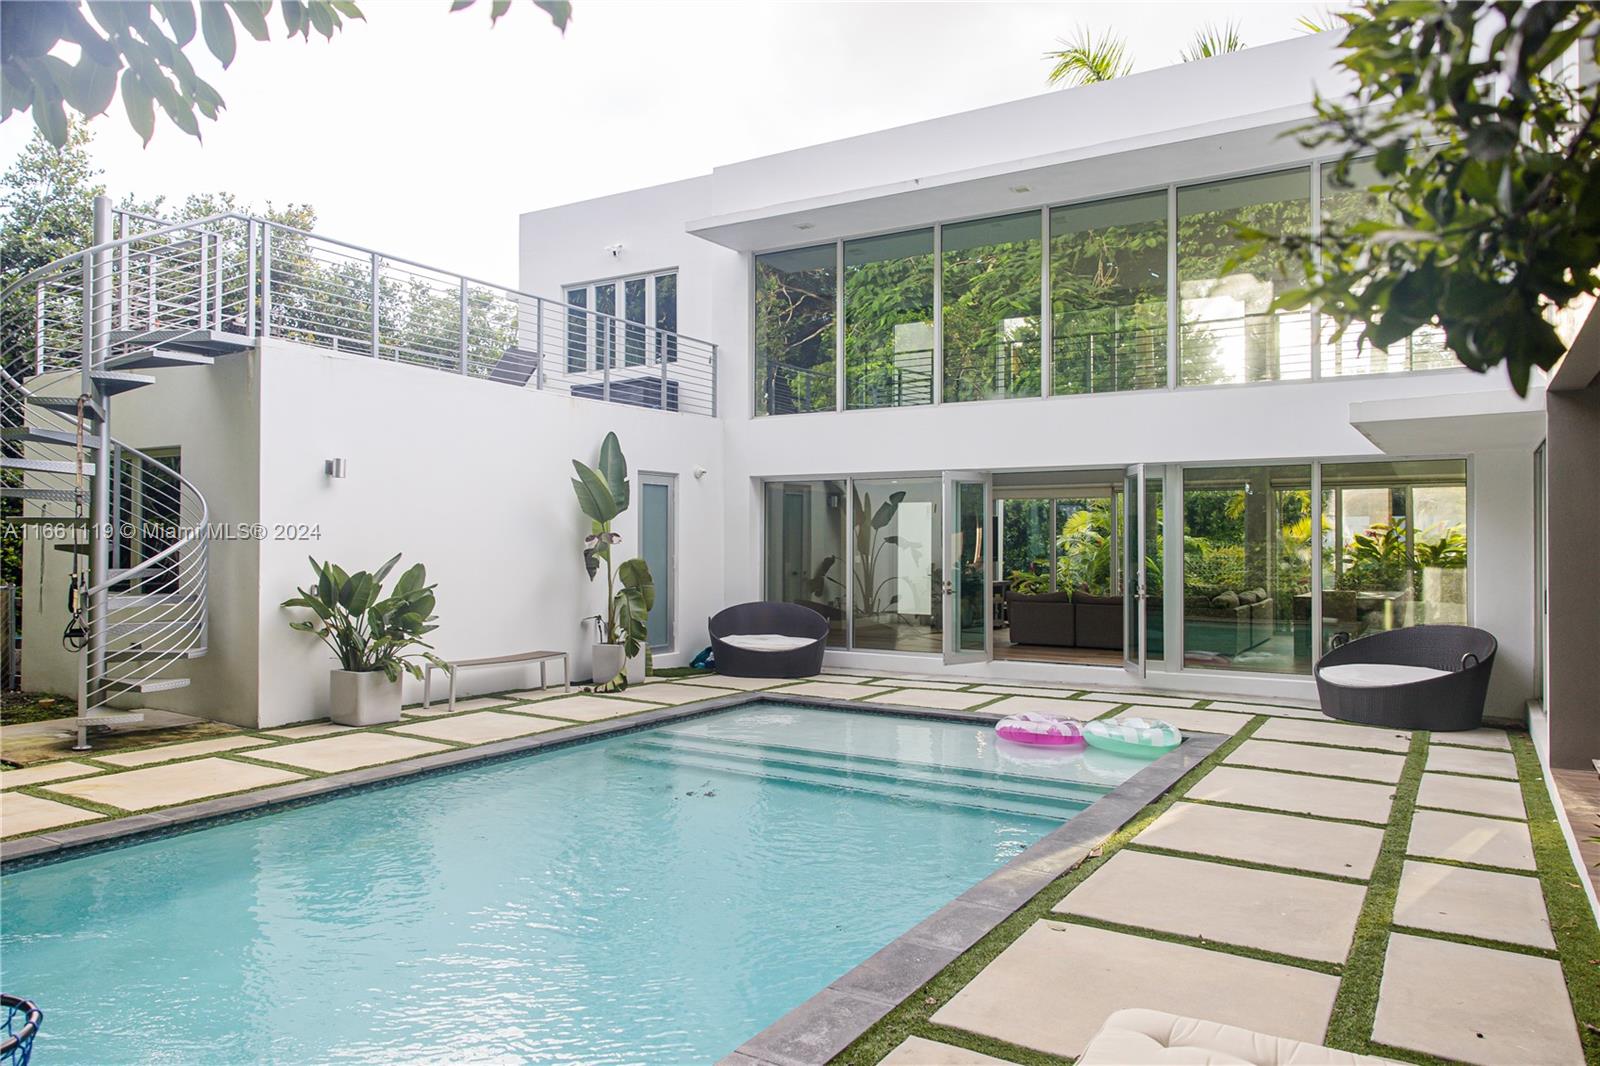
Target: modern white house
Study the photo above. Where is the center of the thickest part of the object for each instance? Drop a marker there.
(987, 391)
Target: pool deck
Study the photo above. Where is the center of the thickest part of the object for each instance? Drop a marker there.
(1404, 895)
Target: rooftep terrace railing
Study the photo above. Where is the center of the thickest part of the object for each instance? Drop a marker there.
(245, 275)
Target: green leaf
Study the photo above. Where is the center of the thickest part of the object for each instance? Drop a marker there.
(179, 15)
(383, 571)
(139, 104)
(595, 495)
(560, 12)
(252, 15)
(614, 468)
(217, 28)
(91, 86)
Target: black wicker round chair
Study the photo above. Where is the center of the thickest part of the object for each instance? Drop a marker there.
(1422, 677)
(800, 655)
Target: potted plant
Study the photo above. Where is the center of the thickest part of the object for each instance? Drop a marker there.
(603, 494)
(374, 637)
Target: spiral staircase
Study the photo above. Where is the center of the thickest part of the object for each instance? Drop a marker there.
(77, 334)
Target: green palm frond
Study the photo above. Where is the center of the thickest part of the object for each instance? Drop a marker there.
(1212, 40)
(1086, 58)
(1325, 20)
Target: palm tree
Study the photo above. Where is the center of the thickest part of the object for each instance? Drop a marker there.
(1085, 58)
(1212, 40)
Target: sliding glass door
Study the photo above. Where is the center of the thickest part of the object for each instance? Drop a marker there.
(1143, 562)
(968, 582)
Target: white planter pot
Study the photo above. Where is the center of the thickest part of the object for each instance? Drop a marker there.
(608, 662)
(363, 697)
(636, 669)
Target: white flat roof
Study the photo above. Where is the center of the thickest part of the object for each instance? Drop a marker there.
(1185, 122)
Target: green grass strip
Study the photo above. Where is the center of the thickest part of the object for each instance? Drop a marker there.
(912, 1017)
(1571, 920)
(1356, 1005)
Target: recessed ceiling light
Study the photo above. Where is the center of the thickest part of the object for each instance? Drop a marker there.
(1022, 188)
(804, 225)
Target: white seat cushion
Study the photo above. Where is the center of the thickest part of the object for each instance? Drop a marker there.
(1377, 675)
(1150, 1037)
(767, 641)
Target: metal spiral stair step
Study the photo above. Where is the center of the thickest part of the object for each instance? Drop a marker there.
(155, 358)
(106, 716)
(66, 438)
(165, 684)
(67, 405)
(134, 655)
(7, 492)
(118, 381)
(45, 466)
(196, 341)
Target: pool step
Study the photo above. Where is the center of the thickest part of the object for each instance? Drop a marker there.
(1017, 778)
(884, 786)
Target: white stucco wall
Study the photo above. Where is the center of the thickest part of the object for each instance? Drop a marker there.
(472, 479)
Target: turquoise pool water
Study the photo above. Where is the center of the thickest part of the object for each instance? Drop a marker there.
(655, 897)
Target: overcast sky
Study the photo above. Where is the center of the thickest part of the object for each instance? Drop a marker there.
(425, 133)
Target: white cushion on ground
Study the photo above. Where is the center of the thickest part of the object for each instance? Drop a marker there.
(1377, 675)
(1155, 1037)
(767, 641)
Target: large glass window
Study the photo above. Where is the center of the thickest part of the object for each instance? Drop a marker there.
(657, 549)
(1229, 332)
(605, 324)
(1246, 567)
(897, 565)
(888, 320)
(577, 331)
(1394, 546)
(1026, 552)
(1344, 203)
(805, 549)
(1108, 293)
(991, 286)
(796, 346)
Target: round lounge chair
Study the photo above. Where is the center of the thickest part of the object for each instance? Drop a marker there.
(1422, 677)
(767, 639)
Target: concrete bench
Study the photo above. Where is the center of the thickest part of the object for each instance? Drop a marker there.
(454, 666)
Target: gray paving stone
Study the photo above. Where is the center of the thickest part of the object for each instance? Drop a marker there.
(38, 775)
(919, 1051)
(1270, 839)
(1056, 984)
(1471, 795)
(1469, 838)
(927, 697)
(1305, 917)
(1191, 720)
(1482, 761)
(1297, 793)
(1474, 1004)
(22, 813)
(1480, 903)
(1328, 731)
(1484, 737)
(1312, 759)
(1275, 710)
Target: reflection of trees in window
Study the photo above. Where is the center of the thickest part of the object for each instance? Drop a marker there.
(888, 316)
(1346, 200)
(1229, 332)
(795, 347)
(991, 307)
(1108, 284)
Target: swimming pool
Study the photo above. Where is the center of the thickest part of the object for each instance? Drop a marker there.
(655, 896)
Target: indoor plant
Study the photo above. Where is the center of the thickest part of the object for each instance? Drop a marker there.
(374, 637)
(603, 494)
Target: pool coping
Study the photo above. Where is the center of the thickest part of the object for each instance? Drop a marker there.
(824, 1025)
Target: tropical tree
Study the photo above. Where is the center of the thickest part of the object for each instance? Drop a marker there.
(1486, 150)
(1087, 57)
(1213, 40)
(138, 47)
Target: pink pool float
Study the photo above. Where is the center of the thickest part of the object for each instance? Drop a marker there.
(1041, 730)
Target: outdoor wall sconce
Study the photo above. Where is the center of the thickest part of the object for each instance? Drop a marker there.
(699, 472)
(333, 467)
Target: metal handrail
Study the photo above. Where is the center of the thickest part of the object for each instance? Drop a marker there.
(199, 530)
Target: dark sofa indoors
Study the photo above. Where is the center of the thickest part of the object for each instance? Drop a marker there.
(1066, 620)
